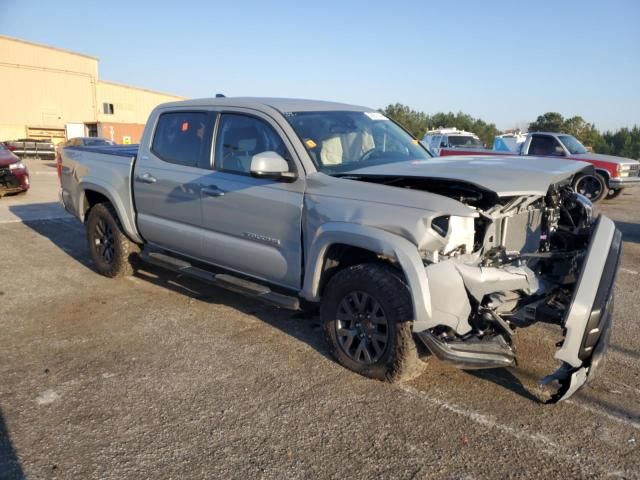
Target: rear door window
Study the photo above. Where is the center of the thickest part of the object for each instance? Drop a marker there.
(183, 138)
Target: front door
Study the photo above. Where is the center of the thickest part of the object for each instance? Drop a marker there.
(545, 146)
(252, 225)
(167, 181)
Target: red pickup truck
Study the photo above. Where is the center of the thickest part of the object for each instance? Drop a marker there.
(612, 174)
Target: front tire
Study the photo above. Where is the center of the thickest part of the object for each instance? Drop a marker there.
(367, 315)
(594, 187)
(110, 249)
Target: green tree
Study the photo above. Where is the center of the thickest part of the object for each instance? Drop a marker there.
(624, 142)
(415, 122)
(584, 131)
(418, 123)
(549, 122)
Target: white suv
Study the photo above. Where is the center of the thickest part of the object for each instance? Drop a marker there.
(450, 138)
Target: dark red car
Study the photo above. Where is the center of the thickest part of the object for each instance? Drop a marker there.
(14, 175)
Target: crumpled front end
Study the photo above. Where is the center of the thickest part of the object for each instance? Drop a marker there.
(14, 178)
(524, 260)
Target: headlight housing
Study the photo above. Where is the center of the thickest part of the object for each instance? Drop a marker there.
(457, 232)
(17, 166)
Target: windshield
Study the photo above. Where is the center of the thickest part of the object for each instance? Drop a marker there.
(343, 141)
(464, 141)
(572, 144)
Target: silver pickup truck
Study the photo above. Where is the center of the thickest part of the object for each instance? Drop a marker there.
(309, 204)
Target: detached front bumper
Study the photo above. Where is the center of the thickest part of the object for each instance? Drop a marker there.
(589, 317)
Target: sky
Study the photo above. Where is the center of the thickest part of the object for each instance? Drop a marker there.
(505, 62)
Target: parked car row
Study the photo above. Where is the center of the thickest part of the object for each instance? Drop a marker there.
(611, 174)
(32, 147)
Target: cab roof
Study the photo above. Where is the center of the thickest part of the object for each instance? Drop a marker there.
(283, 105)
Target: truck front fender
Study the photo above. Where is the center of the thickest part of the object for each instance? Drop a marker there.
(378, 241)
(126, 220)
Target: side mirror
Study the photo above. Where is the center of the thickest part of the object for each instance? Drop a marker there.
(443, 144)
(558, 151)
(271, 165)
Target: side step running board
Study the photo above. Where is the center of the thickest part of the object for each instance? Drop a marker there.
(471, 355)
(223, 280)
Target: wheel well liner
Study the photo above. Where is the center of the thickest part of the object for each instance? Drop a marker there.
(91, 194)
(354, 242)
(91, 199)
(340, 256)
(604, 173)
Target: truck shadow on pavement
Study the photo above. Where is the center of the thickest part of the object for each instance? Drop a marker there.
(630, 231)
(10, 467)
(302, 326)
(66, 233)
(505, 379)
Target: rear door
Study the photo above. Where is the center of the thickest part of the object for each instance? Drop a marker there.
(167, 180)
(252, 225)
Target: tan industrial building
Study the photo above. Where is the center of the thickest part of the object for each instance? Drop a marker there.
(47, 92)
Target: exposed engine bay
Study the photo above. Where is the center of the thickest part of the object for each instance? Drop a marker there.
(517, 263)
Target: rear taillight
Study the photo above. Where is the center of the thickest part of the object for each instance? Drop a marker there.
(11, 148)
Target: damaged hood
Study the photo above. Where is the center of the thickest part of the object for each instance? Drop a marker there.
(504, 175)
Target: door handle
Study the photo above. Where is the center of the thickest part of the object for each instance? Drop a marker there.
(146, 178)
(212, 191)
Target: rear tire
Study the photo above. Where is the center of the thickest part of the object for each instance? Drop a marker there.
(367, 315)
(594, 187)
(112, 252)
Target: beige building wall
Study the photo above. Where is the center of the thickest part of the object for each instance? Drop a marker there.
(130, 104)
(131, 107)
(43, 87)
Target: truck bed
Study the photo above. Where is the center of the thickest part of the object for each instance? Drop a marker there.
(119, 150)
(104, 169)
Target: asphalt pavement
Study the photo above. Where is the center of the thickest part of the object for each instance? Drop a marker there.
(158, 376)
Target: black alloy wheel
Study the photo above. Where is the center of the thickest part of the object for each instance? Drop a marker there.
(591, 186)
(104, 241)
(361, 328)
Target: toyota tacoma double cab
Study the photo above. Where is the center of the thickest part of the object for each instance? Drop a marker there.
(336, 208)
(610, 174)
